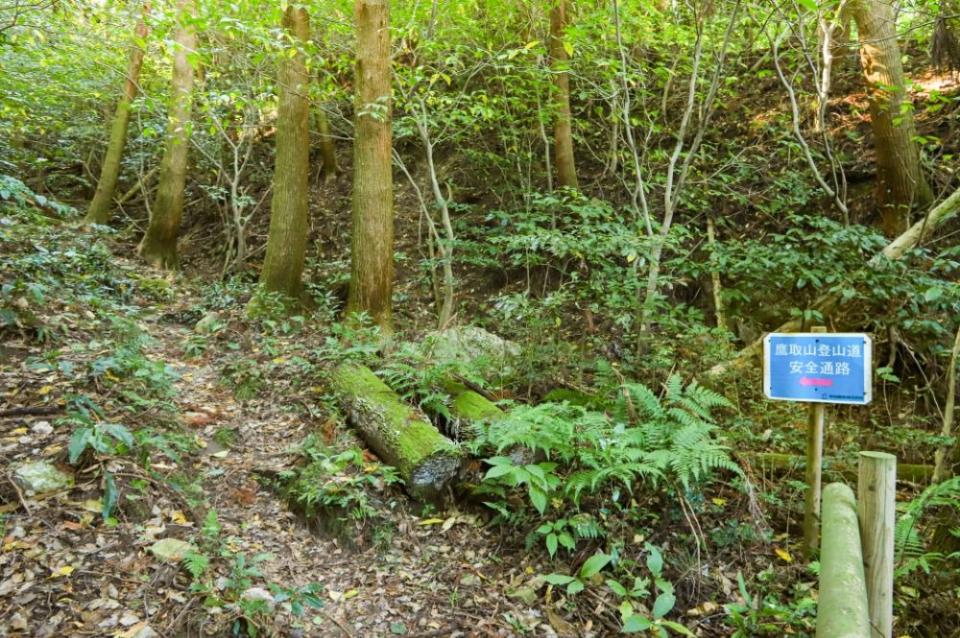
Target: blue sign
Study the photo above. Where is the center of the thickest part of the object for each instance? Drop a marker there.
(818, 367)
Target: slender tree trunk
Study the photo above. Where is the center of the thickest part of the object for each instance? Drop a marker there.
(159, 246)
(446, 244)
(945, 44)
(371, 273)
(328, 152)
(901, 185)
(563, 123)
(839, 45)
(99, 211)
(716, 287)
(287, 242)
(940, 462)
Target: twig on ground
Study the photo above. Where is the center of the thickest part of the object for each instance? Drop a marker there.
(35, 410)
(16, 488)
(338, 623)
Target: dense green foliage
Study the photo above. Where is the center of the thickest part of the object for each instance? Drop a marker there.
(619, 467)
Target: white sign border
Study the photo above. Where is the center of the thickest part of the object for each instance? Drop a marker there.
(867, 366)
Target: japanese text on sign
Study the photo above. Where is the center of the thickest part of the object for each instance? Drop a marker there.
(818, 367)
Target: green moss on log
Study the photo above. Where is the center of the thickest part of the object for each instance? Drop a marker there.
(468, 410)
(400, 435)
(842, 609)
(573, 397)
(473, 406)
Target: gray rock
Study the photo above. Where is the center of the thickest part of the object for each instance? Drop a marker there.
(42, 428)
(171, 550)
(41, 476)
(259, 593)
(209, 324)
(472, 346)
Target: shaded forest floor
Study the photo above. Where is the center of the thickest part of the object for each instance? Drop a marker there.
(176, 423)
(218, 412)
(65, 570)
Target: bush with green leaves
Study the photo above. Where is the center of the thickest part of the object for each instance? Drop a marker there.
(244, 376)
(142, 382)
(782, 274)
(635, 590)
(336, 483)
(590, 456)
(248, 615)
(912, 540)
(765, 613)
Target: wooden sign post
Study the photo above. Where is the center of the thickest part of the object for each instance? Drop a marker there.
(817, 368)
(814, 474)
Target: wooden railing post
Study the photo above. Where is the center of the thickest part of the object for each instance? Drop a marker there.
(843, 609)
(876, 509)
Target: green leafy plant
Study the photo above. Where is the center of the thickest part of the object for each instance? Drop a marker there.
(766, 615)
(337, 483)
(250, 614)
(577, 583)
(102, 437)
(632, 608)
(244, 376)
(911, 548)
(591, 453)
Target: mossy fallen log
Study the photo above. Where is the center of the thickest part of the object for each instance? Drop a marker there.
(842, 611)
(468, 407)
(400, 435)
(786, 462)
(574, 397)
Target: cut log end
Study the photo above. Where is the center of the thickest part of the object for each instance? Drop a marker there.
(399, 434)
(434, 473)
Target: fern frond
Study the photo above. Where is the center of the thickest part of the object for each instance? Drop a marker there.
(674, 387)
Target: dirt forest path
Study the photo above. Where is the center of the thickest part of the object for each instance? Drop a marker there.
(429, 581)
(65, 571)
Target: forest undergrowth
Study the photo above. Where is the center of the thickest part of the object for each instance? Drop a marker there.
(463, 345)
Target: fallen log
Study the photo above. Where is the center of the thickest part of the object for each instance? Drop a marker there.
(470, 410)
(469, 407)
(842, 609)
(828, 303)
(775, 461)
(400, 435)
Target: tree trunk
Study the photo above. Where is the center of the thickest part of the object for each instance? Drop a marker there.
(470, 409)
(287, 242)
(716, 287)
(328, 152)
(99, 211)
(901, 185)
(940, 457)
(400, 435)
(563, 122)
(159, 246)
(945, 44)
(828, 303)
(371, 273)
